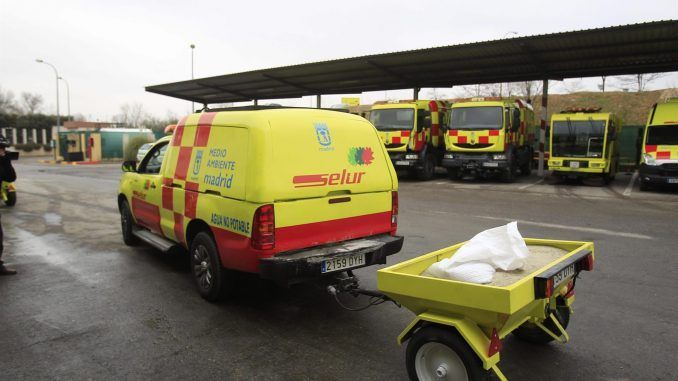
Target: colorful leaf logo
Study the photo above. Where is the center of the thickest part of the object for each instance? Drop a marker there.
(360, 156)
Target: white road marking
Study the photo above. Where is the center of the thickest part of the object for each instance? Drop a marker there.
(534, 183)
(568, 227)
(629, 188)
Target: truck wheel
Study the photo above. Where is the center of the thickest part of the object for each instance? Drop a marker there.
(526, 168)
(455, 173)
(533, 334)
(213, 281)
(644, 186)
(437, 352)
(11, 199)
(127, 225)
(509, 174)
(429, 169)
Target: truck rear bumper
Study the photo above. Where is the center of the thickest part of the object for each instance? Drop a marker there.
(299, 266)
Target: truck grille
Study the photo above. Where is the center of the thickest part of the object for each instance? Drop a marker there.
(472, 146)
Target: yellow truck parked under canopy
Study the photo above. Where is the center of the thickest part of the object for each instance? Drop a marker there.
(583, 142)
(486, 137)
(412, 134)
(659, 161)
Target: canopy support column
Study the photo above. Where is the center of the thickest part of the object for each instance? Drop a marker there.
(318, 101)
(542, 126)
(415, 95)
(256, 102)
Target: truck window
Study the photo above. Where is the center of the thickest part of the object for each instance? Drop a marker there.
(392, 119)
(580, 138)
(153, 159)
(662, 135)
(476, 118)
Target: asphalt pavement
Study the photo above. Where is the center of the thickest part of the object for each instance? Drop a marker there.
(85, 306)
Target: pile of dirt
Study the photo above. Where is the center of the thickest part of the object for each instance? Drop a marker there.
(540, 256)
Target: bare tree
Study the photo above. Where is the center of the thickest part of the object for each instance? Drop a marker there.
(530, 90)
(131, 115)
(7, 103)
(31, 103)
(638, 82)
(435, 94)
(573, 85)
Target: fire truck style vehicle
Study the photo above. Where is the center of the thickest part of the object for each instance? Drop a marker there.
(583, 143)
(489, 136)
(659, 162)
(411, 131)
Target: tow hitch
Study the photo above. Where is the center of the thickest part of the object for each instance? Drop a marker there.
(347, 283)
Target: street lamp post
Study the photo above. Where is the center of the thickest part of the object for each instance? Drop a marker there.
(192, 48)
(68, 96)
(56, 73)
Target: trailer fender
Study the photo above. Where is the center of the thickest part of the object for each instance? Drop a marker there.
(470, 331)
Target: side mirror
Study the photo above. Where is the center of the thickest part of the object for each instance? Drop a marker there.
(129, 166)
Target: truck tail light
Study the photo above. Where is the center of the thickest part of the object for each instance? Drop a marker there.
(587, 263)
(263, 228)
(394, 212)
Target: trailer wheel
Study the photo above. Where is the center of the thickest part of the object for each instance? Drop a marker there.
(437, 352)
(533, 334)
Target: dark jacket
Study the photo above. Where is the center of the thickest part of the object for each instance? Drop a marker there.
(6, 170)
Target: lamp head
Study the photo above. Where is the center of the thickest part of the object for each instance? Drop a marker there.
(38, 60)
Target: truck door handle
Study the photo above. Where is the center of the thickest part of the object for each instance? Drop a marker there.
(153, 185)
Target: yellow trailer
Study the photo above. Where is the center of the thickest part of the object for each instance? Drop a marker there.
(458, 327)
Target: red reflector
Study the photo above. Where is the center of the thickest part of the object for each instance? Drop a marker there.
(394, 212)
(495, 344)
(263, 228)
(549, 288)
(587, 263)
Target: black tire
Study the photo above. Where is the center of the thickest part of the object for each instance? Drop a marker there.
(455, 174)
(526, 168)
(533, 334)
(11, 199)
(212, 280)
(127, 225)
(417, 349)
(509, 175)
(429, 169)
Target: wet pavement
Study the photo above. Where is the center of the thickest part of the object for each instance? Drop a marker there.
(85, 306)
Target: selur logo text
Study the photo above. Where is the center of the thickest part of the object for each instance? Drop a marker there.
(323, 179)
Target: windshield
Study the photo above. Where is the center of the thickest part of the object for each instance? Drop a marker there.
(393, 119)
(578, 138)
(476, 118)
(662, 135)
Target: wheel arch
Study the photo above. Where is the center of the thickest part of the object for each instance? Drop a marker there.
(196, 226)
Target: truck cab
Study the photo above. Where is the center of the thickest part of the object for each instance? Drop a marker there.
(411, 132)
(659, 159)
(583, 143)
(489, 136)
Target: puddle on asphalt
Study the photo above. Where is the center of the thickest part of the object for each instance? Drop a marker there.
(52, 219)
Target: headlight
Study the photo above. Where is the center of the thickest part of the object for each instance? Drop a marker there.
(411, 157)
(500, 156)
(448, 156)
(649, 160)
(555, 163)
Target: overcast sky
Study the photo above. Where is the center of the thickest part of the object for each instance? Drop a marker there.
(109, 51)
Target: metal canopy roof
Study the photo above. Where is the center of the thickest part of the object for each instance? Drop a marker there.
(629, 49)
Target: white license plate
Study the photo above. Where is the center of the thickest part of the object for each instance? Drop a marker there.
(574, 164)
(490, 164)
(672, 181)
(341, 263)
(402, 162)
(564, 274)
